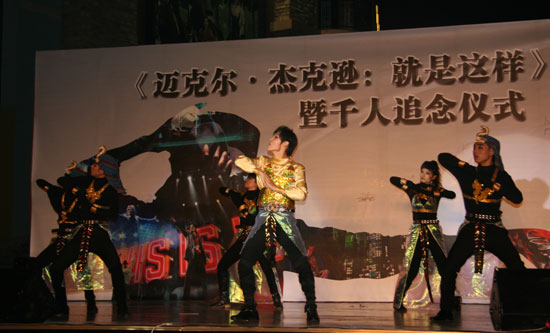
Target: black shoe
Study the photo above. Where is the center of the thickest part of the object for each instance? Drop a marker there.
(457, 300)
(222, 303)
(312, 315)
(248, 313)
(122, 312)
(401, 309)
(442, 316)
(60, 315)
(43, 184)
(91, 308)
(277, 302)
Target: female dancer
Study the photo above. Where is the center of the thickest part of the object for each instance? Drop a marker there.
(425, 231)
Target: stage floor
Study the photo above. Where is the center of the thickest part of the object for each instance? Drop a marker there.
(197, 316)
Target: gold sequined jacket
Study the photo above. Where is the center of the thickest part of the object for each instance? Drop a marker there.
(286, 174)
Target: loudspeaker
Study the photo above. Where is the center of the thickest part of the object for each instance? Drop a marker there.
(520, 299)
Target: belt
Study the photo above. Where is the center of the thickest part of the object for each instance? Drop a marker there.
(425, 221)
(63, 231)
(275, 208)
(88, 222)
(487, 218)
(62, 221)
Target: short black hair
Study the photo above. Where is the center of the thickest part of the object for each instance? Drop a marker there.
(286, 134)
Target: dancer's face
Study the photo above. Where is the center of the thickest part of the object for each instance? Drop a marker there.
(483, 154)
(276, 145)
(250, 184)
(426, 176)
(96, 171)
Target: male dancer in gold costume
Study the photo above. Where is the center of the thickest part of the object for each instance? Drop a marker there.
(281, 181)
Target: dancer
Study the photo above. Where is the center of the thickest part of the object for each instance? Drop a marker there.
(201, 147)
(196, 258)
(246, 202)
(96, 203)
(425, 234)
(281, 181)
(63, 202)
(483, 187)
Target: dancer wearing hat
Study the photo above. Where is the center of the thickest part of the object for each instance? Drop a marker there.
(96, 203)
(483, 187)
(63, 202)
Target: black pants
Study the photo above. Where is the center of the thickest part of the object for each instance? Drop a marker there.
(230, 257)
(196, 275)
(47, 256)
(437, 253)
(101, 245)
(254, 249)
(496, 242)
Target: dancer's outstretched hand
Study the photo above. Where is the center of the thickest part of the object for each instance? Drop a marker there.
(217, 161)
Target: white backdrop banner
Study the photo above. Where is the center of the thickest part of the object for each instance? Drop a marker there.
(365, 107)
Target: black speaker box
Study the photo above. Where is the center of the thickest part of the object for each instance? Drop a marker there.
(520, 299)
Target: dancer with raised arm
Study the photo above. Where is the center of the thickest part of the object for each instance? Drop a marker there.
(483, 187)
(425, 235)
